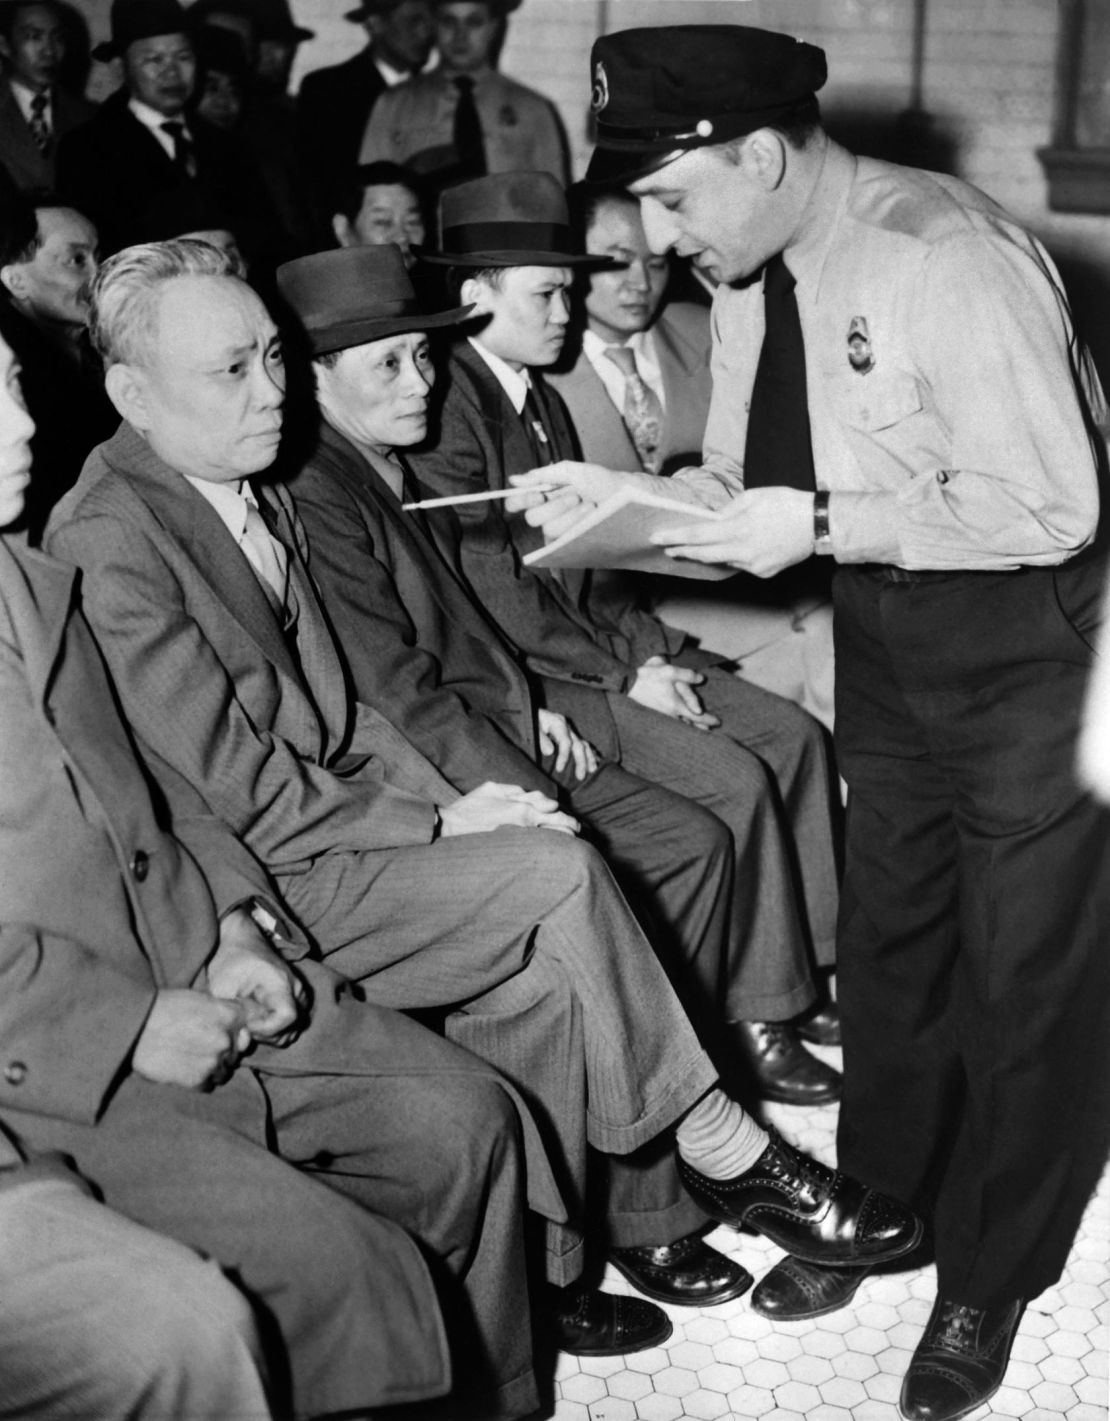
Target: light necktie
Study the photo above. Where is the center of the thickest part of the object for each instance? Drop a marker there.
(469, 141)
(265, 553)
(40, 129)
(183, 159)
(642, 411)
(778, 451)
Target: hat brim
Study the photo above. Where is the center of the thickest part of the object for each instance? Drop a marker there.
(478, 260)
(361, 330)
(105, 51)
(617, 167)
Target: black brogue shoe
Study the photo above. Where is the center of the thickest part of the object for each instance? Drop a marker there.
(794, 1290)
(960, 1361)
(593, 1324)
(687, 1272)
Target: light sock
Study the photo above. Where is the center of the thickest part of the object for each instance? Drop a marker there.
(718, 1137)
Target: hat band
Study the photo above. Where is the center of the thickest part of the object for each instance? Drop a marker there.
(382, 311)
(716, 129)
(471, 237)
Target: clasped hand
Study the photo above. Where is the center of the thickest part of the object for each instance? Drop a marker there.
(493, 806)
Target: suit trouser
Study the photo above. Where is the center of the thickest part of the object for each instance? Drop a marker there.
(764, 773)
(525, 932)
(973, 966)
(419, 1136)
(102, 1318)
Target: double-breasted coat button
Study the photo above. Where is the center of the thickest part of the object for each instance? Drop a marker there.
(140, 865)
(15, 1072)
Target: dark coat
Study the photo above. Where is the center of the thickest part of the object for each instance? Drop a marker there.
(26, 164)
(334, 106)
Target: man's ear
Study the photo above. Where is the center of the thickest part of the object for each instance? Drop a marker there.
(126, 389)
(13, 280)
(765, 154)
(344, 230)
(475, 293)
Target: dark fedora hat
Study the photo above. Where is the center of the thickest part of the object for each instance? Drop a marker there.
(508, 219)
(501, 8)
(133, 20)
(661, 91)
(356, 295)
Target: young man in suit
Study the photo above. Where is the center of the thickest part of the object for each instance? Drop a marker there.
(142, 142)
(35, 113)
(163, 1026)
(334, 104)
(754, 760)
(481, 908)
(638, 392)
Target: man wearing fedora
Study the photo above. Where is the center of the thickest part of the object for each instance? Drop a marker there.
(334, 104)
(142, 142)
(629, 683)
(482, 908)
(465, 118)
(956, 486)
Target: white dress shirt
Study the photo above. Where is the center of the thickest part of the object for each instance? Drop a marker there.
(642, 346)
(153, 120)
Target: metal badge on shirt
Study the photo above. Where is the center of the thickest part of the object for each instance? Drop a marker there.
(860, 355)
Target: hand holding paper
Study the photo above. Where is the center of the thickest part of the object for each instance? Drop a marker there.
(579, 488)
(762, 531)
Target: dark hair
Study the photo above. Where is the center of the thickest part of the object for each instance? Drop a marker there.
(800, 123)
(20, 237)
(9, 9)
(585, 201)
(380, 174)
(454, 277)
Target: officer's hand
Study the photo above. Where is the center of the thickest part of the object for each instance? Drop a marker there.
(559, 738)
(558, 495)
(761, 531)
(670, 689)
(492, 806)
(191, 1039)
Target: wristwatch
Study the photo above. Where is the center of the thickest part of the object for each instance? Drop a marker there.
(822, 534)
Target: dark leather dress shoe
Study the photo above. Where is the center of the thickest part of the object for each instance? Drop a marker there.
(794, 1290)
(960, 1361)
(822, 1027)
(816, 1213)
(687, 1272)
(593, 1324)
(782, 1067)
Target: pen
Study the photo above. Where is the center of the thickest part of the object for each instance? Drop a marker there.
(486, 495)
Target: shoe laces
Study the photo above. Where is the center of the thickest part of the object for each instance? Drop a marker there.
(959, 1327)
(788, 1163)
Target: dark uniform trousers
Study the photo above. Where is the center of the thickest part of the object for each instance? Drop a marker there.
(973, 962)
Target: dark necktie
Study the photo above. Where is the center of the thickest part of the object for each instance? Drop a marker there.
(536, 430)
(778, 450)
(40, 129)
(642, 411)
(183, 159)
(470, 144)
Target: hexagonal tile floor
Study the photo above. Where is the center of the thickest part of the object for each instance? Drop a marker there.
(728, 1362)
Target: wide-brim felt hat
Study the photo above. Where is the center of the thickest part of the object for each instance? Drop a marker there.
(508, 219)
(133, 20)
(356, 295)
(383, 7)
(662, 91)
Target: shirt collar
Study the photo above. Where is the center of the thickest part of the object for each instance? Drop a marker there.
(641, 343)
(229, 502)
(515, 383)
(23, 96)
(151, 118)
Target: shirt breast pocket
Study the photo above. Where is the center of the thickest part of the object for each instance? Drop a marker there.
(873, 405)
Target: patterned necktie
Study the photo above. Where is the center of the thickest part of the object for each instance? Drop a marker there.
(778, 450)
(470, 143)
(642, 411)
(40, 129)
(183, 159)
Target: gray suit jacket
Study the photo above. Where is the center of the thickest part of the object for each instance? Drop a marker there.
(279, 750)
(27, 165)
(682, 340)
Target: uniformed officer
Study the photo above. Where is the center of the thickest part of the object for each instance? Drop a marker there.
(903, 392)
(465, 119)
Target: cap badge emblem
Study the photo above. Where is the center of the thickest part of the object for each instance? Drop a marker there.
(600, 95)
(860, 355)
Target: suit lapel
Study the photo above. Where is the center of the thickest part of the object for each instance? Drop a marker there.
(23, 152)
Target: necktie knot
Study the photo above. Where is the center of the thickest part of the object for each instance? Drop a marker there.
(38, 104)
(40, 129)
(182, 145)
(464, 83)
(623, 357)
(777, 280)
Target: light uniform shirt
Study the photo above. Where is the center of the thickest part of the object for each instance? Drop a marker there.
(153, 120)
(642, 345)
(957, 439)
(414, 123)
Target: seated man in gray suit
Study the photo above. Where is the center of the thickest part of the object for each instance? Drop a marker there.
(756, 761)
(637, 386)
(161, 1026)
(481, 907)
